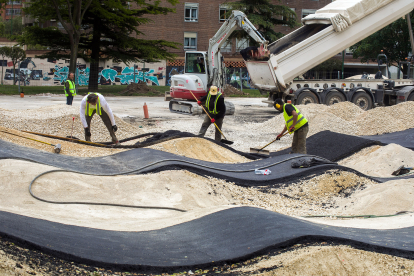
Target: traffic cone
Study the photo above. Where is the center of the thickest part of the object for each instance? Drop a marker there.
(146, 116)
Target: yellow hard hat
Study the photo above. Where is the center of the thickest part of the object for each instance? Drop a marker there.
(213, 90)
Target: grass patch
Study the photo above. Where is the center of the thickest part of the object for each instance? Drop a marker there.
(110, 90)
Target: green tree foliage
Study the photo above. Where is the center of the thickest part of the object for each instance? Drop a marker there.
(69, 13)
(265, 16)
(4, 52)
(16, 54)
(110, 31)
(6, 29)
(394, 40)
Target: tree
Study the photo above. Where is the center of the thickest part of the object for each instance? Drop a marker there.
(110, 30)
(394, 40)
(4, 52)
(16, 54)
(265, 16)
(69, 13)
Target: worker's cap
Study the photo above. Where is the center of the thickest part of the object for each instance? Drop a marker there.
(279, 103)
(213, 90)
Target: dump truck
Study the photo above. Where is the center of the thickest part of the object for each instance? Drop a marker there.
(329, 31)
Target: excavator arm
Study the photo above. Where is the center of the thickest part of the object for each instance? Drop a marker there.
(237, 20)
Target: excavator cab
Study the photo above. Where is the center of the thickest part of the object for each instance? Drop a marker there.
(195, 63)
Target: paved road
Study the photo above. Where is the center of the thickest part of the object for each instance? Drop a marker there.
(126, 106)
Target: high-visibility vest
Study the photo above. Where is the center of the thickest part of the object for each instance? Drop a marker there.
(215, 103)
(89, 110)
(72, 88)
(289, 119)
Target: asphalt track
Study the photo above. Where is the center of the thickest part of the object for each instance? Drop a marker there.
(403, 138)
(226, 235)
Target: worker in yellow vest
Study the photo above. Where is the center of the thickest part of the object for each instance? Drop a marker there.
(216, 108)
(295, 123)
(96, 103)
(70, 88)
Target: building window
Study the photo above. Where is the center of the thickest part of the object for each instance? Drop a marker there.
(241, 44)
(13, 11)
(306, 12)
(222, 15)
(191, 12)
(190, 41)
(14, 2)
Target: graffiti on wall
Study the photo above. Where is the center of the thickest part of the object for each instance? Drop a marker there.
(56, 74)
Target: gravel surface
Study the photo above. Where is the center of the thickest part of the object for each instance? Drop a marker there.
(319, 195)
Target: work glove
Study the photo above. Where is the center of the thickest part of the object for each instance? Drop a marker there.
(291, 129)
(87, 132)
(199, 102)
(114, 128)
(279, 136)
(213, 120)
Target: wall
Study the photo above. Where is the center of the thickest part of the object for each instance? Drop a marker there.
(46, 72)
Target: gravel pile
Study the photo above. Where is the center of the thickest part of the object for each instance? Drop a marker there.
(313, 196)
(57, 120)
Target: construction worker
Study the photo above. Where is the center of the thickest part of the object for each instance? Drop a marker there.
(96, 103)
(296, 123)
(70, 89)
(200, 65)
(216, 108)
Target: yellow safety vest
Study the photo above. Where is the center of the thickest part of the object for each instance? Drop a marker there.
(215, 103)
(289, 119)
(89, 110)
(72, 88)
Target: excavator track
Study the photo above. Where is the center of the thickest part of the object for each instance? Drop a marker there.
(192, 108)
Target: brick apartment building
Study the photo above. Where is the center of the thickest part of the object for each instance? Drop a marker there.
(196, 21)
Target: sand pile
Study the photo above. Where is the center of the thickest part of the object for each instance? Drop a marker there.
(136, 89)
(346, 118)
(380, 161)
(68, 148)
(57, 120)
(200, 149)
(386, 198)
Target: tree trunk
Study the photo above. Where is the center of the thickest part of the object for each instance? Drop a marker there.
(95, 52)
(14, 74)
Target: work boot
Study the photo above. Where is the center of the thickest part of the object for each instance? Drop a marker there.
(88, 138)
(114, 139)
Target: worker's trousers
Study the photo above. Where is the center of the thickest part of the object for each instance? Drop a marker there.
(69, 100)
(299, 140)
(107, 121)
(207, 123)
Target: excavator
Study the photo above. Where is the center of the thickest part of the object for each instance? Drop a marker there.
(204, 69)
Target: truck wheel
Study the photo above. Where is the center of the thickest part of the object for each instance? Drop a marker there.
(363, 100)
(307, 98)
(411, 97)
(334, 97)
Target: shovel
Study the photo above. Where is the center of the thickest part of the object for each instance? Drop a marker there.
(261, 151)
(224, 141)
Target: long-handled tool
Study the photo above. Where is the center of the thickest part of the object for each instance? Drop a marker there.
(224, 141)
(73, 120)
(253, 150)
(57, 148)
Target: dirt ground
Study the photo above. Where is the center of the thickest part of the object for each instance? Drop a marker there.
(332, 194)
